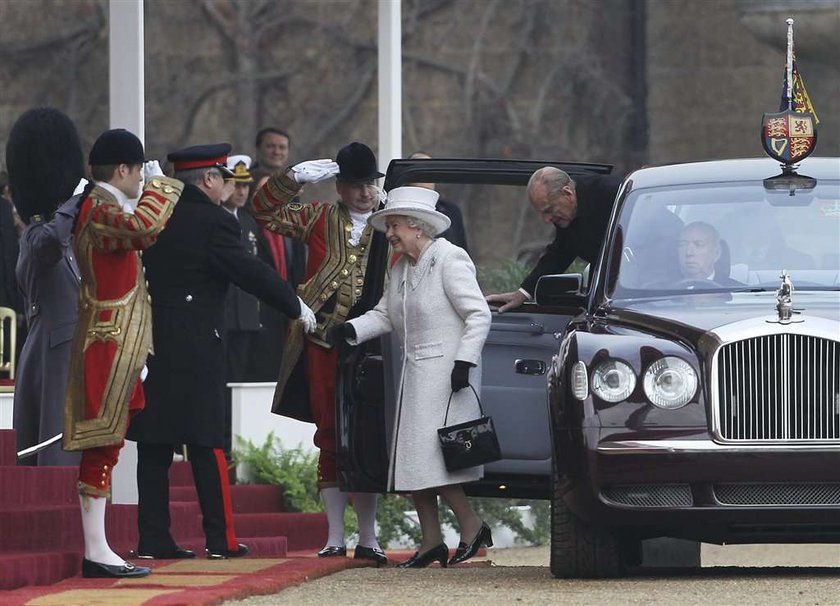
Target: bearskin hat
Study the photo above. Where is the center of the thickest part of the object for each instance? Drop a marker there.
(45, 161)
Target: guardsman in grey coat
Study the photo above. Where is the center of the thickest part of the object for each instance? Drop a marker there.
(434, 304)
(45, 162)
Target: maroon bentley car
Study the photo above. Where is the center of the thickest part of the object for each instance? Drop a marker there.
(684, 401)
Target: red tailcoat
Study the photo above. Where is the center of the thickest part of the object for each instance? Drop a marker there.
(113, 335)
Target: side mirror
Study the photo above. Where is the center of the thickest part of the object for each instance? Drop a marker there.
(558, 289)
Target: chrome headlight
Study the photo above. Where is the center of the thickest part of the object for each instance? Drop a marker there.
(613, 380)
(670, 382)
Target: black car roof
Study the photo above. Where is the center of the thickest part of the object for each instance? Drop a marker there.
(727, 171)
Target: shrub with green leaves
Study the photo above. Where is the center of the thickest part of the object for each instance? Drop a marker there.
(296, 471)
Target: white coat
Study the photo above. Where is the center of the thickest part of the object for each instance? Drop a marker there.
(443, 317)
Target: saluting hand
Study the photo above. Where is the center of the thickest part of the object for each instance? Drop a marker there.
(313, 171)
(152, 169)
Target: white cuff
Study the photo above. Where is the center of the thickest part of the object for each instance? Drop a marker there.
(525, 292)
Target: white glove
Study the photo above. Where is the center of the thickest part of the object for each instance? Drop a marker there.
(313, 171)
(307, 317)
(80, 187)
(144, 373)
(152, 169)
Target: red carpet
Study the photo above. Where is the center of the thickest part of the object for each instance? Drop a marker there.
(41, 532)
(182, 583)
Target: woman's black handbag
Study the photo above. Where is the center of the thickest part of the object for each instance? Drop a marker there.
(469, 444)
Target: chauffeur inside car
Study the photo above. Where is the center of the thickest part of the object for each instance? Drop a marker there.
(699, 251)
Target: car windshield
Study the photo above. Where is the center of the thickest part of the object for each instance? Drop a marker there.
(727, 237)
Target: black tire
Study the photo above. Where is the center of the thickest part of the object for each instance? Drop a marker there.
(577, 550)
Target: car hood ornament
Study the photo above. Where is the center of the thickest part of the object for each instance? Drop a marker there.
(784, 301)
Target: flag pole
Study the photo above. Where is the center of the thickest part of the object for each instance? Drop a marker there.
(790, 63)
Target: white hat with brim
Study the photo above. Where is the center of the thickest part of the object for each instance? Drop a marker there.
(417, 202)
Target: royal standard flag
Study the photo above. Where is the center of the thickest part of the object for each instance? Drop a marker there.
(800, 102)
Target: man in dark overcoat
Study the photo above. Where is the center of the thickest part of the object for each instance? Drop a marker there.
(45, 161)
(189, 270)
(579, 209)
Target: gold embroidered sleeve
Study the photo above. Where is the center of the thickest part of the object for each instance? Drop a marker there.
(275, 207)
(113, 229)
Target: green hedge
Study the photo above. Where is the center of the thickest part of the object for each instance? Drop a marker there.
(296, 470)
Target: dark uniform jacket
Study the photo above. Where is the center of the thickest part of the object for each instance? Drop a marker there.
(242, 309)
(585, 235)
(189, 269)
(456, 234)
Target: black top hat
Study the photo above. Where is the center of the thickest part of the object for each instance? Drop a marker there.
(202, 156)
(116, 146)
(356, 163)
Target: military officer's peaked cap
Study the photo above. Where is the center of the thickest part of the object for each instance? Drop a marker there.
(116, 146)
(202, 156)
(240, 164)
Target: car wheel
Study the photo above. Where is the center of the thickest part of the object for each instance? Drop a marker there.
(578, 550)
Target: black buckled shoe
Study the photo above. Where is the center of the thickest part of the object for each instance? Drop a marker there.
(418, 560)
(333, 551)
(371, 553)
(174, 554)
(224, 554)
(483, 538)
(95, 570)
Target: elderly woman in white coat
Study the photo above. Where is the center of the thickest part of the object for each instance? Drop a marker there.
(436, 307)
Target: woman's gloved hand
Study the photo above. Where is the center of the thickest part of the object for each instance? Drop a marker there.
(340, 333)
(460, 375)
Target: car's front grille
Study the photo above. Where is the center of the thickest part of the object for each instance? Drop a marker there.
(779, 387)
(781, 494)
(650, 495)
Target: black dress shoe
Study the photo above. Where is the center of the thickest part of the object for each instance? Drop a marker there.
(224, 554)
(483, 538)
(421, 560)
(371, 553)
(333, 551)
(95, 570)
(173, 554)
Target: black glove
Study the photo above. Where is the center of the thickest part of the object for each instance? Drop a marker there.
(460, 375)
(340, 333)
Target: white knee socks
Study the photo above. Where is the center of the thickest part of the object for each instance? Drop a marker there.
(365, 505)
(335, 502)
(93, 527)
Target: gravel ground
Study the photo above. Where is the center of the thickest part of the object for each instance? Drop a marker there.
(744, 575)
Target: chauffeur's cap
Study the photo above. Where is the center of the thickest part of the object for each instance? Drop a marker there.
(202, 156)
(240, 164)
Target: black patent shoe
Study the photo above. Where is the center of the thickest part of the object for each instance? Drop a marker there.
(95, 570)
(224, 554)
(483, 538)
(371, 553)
(172, 554)
(333, 551)
(421, 560)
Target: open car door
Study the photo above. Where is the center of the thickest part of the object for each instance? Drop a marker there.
(516, 356)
